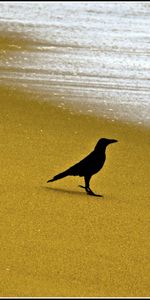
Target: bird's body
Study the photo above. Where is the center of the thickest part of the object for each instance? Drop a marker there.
(88, 166)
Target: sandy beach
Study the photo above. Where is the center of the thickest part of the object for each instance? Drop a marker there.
(55, 239)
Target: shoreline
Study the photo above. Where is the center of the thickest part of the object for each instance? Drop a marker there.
(56, 240)
(97, 110)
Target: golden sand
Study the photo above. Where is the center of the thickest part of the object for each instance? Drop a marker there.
(55, 239)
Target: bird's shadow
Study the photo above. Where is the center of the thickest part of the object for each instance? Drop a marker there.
(60, 190)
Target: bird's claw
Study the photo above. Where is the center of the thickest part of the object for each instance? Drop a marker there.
(82, 186)
(91, 193)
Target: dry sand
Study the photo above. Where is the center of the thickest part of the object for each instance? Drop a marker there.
(55, 239)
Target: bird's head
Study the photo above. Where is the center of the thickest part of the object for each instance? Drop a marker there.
(103, 143)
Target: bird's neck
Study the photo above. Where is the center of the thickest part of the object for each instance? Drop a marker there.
(100, 149)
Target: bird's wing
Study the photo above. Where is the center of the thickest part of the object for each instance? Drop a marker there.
(82, 166)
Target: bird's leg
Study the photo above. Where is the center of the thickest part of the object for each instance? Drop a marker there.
(87, 187)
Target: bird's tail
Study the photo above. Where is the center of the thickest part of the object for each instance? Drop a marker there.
(59, 176)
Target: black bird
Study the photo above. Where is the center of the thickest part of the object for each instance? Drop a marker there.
(88, 166)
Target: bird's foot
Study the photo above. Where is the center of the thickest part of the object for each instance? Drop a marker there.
(82, 186)
(90, 192)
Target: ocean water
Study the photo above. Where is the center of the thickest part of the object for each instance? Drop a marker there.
(94, 55)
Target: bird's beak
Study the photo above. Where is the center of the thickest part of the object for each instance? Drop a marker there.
(112, 141)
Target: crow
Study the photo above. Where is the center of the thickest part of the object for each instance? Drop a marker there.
(88, 166)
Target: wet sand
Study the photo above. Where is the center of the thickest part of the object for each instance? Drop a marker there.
(55, 239)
